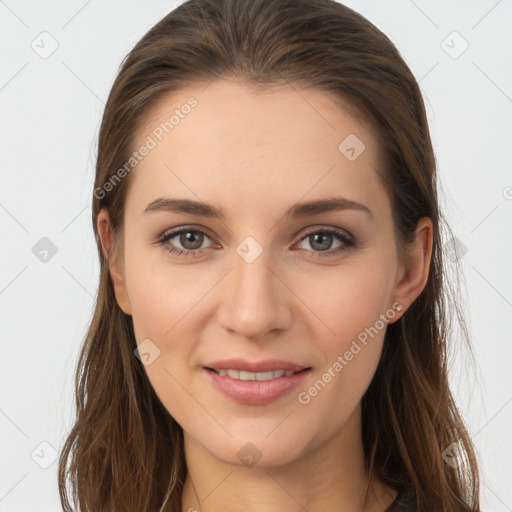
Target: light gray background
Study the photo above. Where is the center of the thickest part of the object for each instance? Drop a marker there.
(50, 115)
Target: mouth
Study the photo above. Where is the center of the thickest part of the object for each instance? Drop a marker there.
(259, 376)
(255, 387)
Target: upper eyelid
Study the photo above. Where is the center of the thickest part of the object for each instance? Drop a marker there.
(334, 229)
(171, 233)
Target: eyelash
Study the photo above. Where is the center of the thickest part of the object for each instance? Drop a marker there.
(348, 242)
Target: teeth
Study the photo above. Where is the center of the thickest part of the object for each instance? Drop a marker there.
(243, 375)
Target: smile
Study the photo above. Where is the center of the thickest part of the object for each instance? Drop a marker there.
(244, 375)
(255, 388)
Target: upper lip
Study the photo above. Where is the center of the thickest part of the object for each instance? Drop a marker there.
(255, 366)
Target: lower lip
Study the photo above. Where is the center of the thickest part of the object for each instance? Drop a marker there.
(255, 392)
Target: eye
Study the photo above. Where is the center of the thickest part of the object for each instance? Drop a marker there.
(190, 239)
(321, 241)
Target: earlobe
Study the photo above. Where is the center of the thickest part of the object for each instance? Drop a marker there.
(415, 273)
(109, 249)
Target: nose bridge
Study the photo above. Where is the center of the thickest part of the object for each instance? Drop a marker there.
(254, 300)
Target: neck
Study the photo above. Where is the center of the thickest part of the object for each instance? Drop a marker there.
(330, 477)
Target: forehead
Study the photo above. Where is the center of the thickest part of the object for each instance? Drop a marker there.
(260, 144)
(229, 104)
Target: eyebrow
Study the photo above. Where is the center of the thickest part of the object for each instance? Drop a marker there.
(305, 209)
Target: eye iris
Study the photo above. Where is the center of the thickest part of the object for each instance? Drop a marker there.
(189, 236)
(321, 237)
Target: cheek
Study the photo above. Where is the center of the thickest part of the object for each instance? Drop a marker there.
(161, 294)
(161, 311)
(351, 352)
(350, 299)
(355, 305)
(166, 302)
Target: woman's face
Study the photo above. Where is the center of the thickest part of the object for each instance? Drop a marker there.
(276, 282)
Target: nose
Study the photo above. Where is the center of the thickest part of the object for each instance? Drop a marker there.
(255, 301)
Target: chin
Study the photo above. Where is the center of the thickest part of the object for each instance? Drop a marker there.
(257, 451)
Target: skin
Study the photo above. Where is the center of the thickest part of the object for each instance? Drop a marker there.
(256, 154)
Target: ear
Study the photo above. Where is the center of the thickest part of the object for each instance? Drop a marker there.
(111, 251)
(413, 274)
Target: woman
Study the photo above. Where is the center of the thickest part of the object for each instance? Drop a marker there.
(271, 323)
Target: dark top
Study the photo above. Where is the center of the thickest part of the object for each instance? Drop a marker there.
(400, 504)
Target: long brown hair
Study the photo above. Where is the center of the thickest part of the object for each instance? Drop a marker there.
(125, 452)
